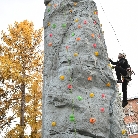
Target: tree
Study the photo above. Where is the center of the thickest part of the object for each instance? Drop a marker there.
(21, 60)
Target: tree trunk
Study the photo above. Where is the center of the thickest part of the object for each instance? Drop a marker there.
(80, 94)
(22, 123)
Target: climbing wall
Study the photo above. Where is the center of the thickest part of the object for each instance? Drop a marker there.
(80, 94)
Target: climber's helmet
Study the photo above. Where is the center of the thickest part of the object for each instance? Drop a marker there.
(121, 55)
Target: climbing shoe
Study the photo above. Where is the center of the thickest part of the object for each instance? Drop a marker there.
(124, 104)
(119, 81)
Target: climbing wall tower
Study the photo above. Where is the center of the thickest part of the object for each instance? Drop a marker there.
(80, 94)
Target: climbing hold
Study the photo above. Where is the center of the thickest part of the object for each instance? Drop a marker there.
(48, 10)
(48, 24)
(50, 44)
(63, 25)
(96, 53)
(94, 45)
(75, 54)
(62, 77)
(49, 4)
(70, 11)
(72, 118)
(102, 109)
(76, 20)
(109, 65)
(69, 86)
(75, 3)
(73, 34)
(98, 36)
(103, 32)
(89, 78)
(92, 120)
(95, 12)
(67, 47)
(55, 5)
(50, 35)
(53, 124)
(101, 25)
(94, 22)
(123, 131)
(54, 25)
(91, 95)
(78, 39)
(79, 98)
(92, 35)
(103, 95)
(108, 84)
(85, 22)
(79, 26)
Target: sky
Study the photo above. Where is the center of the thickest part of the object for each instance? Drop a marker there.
(122, 14)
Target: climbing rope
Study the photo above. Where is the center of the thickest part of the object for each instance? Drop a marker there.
(110, 25)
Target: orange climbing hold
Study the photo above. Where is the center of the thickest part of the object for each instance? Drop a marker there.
(92, 120)
(90, 78)
(78, 39)
(79, 26)
(50, 44)
(55, 5)
(92, 35)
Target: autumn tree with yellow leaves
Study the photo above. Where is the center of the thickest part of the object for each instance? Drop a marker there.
(21, 64)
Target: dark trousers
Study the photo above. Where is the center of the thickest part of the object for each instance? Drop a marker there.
(124, 90)
(119, 71)
(122, 71)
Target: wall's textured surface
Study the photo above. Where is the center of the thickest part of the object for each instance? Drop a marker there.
(75, 28)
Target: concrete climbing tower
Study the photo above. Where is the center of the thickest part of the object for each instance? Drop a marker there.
(80, 94)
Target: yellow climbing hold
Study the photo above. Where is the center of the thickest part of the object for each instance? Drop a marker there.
(103, 32)
(53, 124)
(123, 131)
(91, 95)
(62, 77)
(48, 23)
(75, 3)
(75, 54)
(96, 53)
(76, 20)
(109, 65)
(101, 25)
(108, 84)
(49, 4)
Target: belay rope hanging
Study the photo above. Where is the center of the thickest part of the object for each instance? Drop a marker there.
(110, 25)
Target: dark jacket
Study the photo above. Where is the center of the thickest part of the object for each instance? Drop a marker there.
(122, 63)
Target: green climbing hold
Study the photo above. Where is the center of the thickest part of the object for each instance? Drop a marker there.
(73, 34)
(79, 98)
(48, 10)
(54, 25)
(63, 25)
(71, 118)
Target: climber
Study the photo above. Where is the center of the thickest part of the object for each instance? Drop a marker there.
(122, 68)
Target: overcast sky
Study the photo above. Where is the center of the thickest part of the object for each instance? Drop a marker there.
(121, 13)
